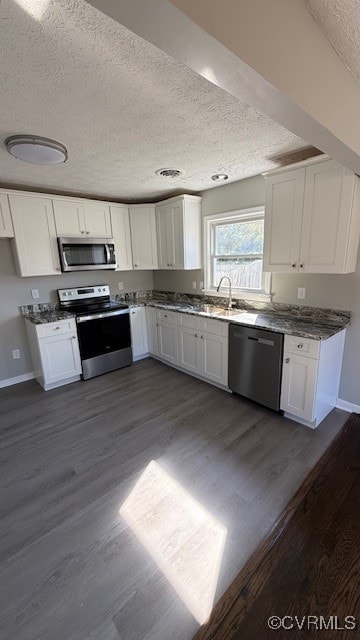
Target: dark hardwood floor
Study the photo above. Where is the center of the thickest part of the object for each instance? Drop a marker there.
(71, 569)
(309, 566)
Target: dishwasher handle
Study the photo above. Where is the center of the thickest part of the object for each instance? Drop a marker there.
(269, 343)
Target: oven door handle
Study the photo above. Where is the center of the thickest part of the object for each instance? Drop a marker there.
(107, 314)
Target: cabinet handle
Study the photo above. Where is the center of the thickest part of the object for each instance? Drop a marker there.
(165, 316)
(87, 233)
(287, 360)
(196, 335)
(73, 338)
(202, 337)
(56, 329)
(83, 233)
(293, 265)
(300, 346)
(157, 324)
(302, 265)
(135, 265)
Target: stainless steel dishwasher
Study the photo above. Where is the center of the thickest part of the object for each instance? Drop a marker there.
(255, 364)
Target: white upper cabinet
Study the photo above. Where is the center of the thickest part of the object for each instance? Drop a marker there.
(143, 236)
(35, 235)
(6, 227)
(69, 218)
(76, 218)
(178, 226)
(97, 219)
(120, 225)
(312, 218)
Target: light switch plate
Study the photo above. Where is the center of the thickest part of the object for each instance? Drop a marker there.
(194, 285)
(35, 294)
(301, 293)
(121, 286)
(16, 354)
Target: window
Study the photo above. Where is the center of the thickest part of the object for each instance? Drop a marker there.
(234, 247)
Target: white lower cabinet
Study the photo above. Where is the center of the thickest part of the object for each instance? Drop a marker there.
(167, 337)
(151, 326)
(197, 345)
(213, 357)
(188, 352)
(311, 377)
(55, 352)
(139, 339)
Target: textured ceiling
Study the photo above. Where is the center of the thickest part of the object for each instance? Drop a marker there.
(122, 107)
(340, 22)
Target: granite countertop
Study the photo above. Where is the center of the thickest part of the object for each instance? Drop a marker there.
(312, 323)
(43, 317)
(313, 328)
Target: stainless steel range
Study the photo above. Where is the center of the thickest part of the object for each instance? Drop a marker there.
(103, 328)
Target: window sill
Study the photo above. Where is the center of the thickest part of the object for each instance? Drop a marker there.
(240, 295)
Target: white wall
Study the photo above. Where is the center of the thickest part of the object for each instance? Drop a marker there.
(326, 291)
(15, 291)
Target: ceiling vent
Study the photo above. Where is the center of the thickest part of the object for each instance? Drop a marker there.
(168, 173)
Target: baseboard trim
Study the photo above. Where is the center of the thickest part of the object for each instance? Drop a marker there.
(347, 406)
(8, 382)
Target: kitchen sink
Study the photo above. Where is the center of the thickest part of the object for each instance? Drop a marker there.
(218, 311)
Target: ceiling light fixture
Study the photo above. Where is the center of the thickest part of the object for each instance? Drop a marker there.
(168, 173)
(219, 176)
(36, 150)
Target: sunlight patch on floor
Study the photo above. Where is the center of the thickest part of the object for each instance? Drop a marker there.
(183, 538)
(35, 8)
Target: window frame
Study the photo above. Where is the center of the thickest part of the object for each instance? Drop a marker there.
(253, 213)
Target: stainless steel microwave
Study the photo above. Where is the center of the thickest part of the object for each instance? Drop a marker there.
(85, 254)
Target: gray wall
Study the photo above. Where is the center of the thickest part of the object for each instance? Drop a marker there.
(15, 291)
(337, 292)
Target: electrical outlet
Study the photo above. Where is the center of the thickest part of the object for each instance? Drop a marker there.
(301, 293)
(121, 286)
(16, 354)
(34, 293)
(194, 285)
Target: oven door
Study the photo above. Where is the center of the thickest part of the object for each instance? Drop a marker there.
(85, 254)
(105, 341)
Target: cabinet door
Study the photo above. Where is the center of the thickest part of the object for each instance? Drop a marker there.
(97, 220)
(69, 218)
(139, 342)
(60, 357)
(120, 225)
(329, 189)
(35, 235)
(188, 352)
(143, 237)
(161, 237)
(151, 326)
(284, 197)
(169, 231)
(167, 342)
(6, 227)
(175, 236)
(213, 357)
(298, 388)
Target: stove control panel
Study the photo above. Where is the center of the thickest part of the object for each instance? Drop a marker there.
(81, 293)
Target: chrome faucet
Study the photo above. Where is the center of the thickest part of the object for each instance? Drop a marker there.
(230, 303)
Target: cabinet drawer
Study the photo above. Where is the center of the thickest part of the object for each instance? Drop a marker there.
(186, 320)
(167, 316)
(55, 328)
(304, 346)
(212, 326)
